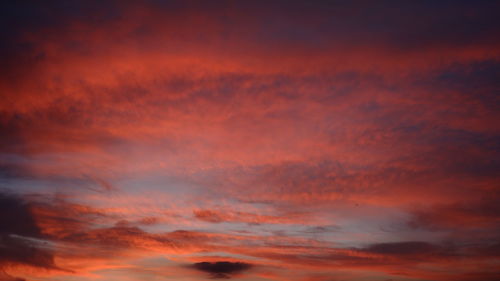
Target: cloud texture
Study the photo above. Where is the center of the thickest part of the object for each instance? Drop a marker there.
(251, 140)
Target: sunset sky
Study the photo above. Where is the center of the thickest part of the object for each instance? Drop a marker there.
(249, 140)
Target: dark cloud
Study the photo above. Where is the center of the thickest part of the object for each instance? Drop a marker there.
(401, 26)
(481, 213)
(491, 250)
(483, 275)
(21, 250)
(476, 80)
(403, 248)
(30, 15)
(10, 170)
(16, 217)
(20, 235)
(222, 269)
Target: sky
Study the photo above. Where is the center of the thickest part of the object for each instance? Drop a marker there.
(249, 140)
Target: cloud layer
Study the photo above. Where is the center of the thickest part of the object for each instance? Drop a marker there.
(256, 140)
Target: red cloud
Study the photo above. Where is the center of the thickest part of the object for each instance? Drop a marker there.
(312, 140)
